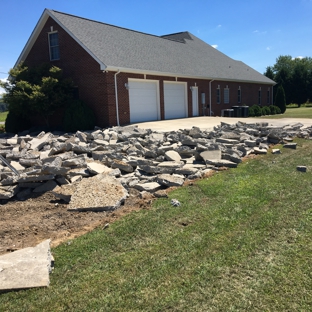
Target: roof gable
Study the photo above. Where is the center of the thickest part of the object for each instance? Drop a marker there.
(180, 54)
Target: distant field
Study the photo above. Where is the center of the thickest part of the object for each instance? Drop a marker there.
(294, 112)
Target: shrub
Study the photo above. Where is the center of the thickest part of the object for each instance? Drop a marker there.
(251, 111)
(278, 110)
(255, 111)
(272, 109)
(266, 110)
(78, 116)
(280, 99)
(16, 123)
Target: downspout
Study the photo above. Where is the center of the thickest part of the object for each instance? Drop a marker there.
(116, 96)
(210, 96)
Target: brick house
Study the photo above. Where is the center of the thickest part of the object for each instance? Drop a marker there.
(127, 76)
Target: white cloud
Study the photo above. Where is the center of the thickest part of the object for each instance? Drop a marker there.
(268, 48)
(214, 46)
(298, 57)
(219, 26)
(259, 32)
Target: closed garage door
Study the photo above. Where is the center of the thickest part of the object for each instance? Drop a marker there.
(175, 100)
(144, 103)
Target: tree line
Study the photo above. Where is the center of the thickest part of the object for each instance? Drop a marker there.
(295, 76)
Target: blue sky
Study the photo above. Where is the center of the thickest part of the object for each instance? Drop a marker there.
(255, 32)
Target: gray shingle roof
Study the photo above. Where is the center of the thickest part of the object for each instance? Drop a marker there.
(181, 54)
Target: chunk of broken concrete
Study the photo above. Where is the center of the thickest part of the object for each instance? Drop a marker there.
(97, 167)
(290, 145)
(121, 165)
(35, 178)
(207, 155)
(276, 151)
(38, 143)
(148, 187)
(7, 192)
(99, 193)
(260, 151)
(26, 268)
(172, 156)
(170, 180)
(45, 187)
(221, 163)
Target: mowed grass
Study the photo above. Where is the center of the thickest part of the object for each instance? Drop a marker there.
(3, 116)
(240, 241)
(294, 112)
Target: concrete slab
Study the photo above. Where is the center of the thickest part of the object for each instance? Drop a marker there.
(99, 193)
(26, 268)
(207, 122)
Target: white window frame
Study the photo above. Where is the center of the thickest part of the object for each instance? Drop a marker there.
(54, 47)
(226, 95)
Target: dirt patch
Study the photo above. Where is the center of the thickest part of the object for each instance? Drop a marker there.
(26, 223)
(43, 216)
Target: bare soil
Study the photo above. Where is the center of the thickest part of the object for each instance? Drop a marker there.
(43, 216)
(27, 223)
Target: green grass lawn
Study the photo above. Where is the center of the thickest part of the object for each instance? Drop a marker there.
(240, 241)
(294, 112)
(3, 116)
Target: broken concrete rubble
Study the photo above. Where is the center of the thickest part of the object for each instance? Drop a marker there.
(131, 157)
(26, 268)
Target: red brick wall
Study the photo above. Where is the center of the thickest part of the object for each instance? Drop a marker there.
(249, 95)
(77, 64)
(97, 88)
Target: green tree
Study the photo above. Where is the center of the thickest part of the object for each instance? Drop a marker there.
(280, 100)
(295, 75)
(269, 72)
(40, 90)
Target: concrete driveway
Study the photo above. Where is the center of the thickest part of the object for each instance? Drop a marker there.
(207, 122)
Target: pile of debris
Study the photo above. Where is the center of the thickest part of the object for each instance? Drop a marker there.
(96, 169)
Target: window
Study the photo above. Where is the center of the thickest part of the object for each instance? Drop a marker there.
(239, 95)
(226, 95)
(259, 97)
(54, 46)
(268, 97)
(218, 95)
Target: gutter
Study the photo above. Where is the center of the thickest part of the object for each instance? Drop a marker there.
(116, 96)
(210, 96)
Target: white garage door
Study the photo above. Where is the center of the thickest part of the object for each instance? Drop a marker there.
(144, 100)
(175, 100)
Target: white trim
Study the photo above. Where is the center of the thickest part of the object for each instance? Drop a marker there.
(176, 76)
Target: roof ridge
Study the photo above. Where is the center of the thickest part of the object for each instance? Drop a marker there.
(123, 28)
